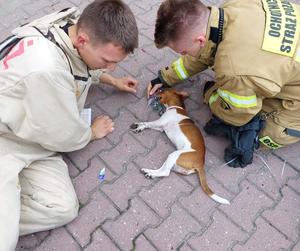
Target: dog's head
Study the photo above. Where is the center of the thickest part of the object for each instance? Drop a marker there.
(165, 98)
(170, 97)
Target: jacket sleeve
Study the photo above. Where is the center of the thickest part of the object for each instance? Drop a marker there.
(51, 116)
(183, 68)
(238, 99)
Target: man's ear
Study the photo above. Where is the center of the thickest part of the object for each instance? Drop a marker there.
(183, 94)
(201, 40)
(81, 40)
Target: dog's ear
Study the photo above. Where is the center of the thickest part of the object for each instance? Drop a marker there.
(183, 94)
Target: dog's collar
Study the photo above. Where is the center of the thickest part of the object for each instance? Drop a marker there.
(175, 107)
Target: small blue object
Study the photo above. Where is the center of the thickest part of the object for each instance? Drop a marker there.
(101, 175)
(153, 102)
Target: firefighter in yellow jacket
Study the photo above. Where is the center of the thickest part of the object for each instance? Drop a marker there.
(46, 69)
(254, 49)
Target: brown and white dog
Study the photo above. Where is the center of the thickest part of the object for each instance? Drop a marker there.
(185, 135)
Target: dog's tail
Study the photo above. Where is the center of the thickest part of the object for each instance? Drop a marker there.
(207, 190)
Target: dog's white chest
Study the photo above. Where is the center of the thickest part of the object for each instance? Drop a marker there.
(173, 131)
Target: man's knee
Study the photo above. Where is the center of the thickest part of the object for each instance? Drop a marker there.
(47, 213)
(66, 210)
(275, 136)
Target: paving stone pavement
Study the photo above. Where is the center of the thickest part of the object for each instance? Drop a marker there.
(129, 212)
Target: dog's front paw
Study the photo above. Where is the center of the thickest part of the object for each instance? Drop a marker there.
(137, 127)
(147, 174)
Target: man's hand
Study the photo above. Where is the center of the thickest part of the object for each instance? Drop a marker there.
(127, 84)
(152, 89)
(101, 126)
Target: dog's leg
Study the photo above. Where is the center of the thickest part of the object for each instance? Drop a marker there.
(165, 168)
(155, 125)
(183, 171)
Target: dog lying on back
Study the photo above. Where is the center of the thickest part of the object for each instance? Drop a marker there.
(185, 135)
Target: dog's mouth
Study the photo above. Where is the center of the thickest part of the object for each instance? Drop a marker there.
(155, 104)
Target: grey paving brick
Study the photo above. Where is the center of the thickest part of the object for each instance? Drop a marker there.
(157, 156)
(247, 206)
(173, 230)
(147, 5)
(297, 246)
(290, 154)
(216, 145)
(122, 126)
(88, 180)
(31, 8)
(285, 216)
(142, 244)
(122, 154)
(231, 177)
(115, 102)
(219, 236)
(141, 111)
(150, 16)
(90, 217)
(134, 63)
(265, 238)
(100, 241)
(272, 182)
(121, 190)
(164, 193)
(167, 60)
(201, 116)
(31, 241)
(200, 205)
(95, 94)
(147, 137)
(295, 184)
(73, 171)
(185, 247)
(81, 157)
(130, 224)
(59, 238)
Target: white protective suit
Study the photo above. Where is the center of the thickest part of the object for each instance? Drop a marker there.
(43, 87)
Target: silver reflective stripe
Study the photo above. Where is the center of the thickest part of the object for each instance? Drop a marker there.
(7, 44)
(293, 132)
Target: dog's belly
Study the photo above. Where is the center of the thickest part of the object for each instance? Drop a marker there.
(177, 137)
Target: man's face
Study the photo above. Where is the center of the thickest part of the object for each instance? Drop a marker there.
(101, 55)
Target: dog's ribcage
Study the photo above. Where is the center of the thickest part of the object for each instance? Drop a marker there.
(173, 131)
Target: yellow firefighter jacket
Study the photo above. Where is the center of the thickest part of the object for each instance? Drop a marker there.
(44, 84)
(257, 60)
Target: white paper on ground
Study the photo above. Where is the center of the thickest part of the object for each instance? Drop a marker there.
(86, 115)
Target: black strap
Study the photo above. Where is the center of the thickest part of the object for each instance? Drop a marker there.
(216, 34)
(51, 38)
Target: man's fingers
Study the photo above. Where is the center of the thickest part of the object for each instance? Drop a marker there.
(155, 88)
(131, 82)
(129, 89)
(149, 87)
